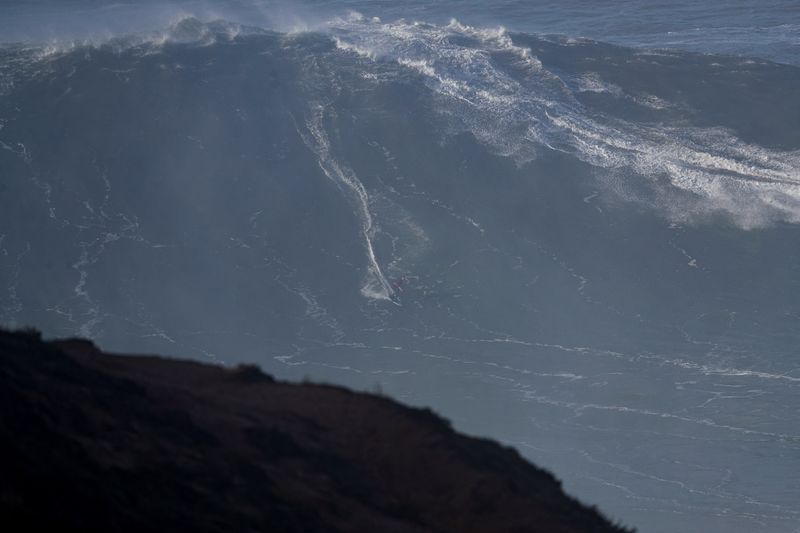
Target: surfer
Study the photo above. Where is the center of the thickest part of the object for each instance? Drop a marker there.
(398, 284)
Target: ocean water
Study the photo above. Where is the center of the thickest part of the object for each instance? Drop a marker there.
(569, 226)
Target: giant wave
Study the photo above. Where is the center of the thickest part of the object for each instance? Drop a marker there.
(576, 247)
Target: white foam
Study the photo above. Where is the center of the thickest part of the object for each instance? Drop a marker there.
(592, 82)
(375, 285)
(498, 91)
(421, 66)
(182, 28)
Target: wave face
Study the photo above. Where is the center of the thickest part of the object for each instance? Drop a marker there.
(581, 249)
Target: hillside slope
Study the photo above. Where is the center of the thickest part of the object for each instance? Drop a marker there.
(97, 442)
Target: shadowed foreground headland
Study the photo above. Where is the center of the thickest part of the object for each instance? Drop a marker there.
(97, 442)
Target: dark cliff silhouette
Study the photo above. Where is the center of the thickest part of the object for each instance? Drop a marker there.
(97, 442)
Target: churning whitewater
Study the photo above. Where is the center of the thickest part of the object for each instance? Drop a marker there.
(579, 248)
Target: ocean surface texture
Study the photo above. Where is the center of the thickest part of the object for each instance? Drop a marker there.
(570, 226)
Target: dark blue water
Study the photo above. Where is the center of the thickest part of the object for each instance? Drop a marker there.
(571, 227)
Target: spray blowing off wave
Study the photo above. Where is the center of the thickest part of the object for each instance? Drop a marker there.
(484, 83)
(437, 206)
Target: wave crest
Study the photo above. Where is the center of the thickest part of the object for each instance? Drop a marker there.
(500, 92)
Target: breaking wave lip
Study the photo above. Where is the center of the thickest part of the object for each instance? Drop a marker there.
(22, 60)
(185, 29)
(502, 94)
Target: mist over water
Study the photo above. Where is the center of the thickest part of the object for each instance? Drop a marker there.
(582, 247)
(767, 29)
